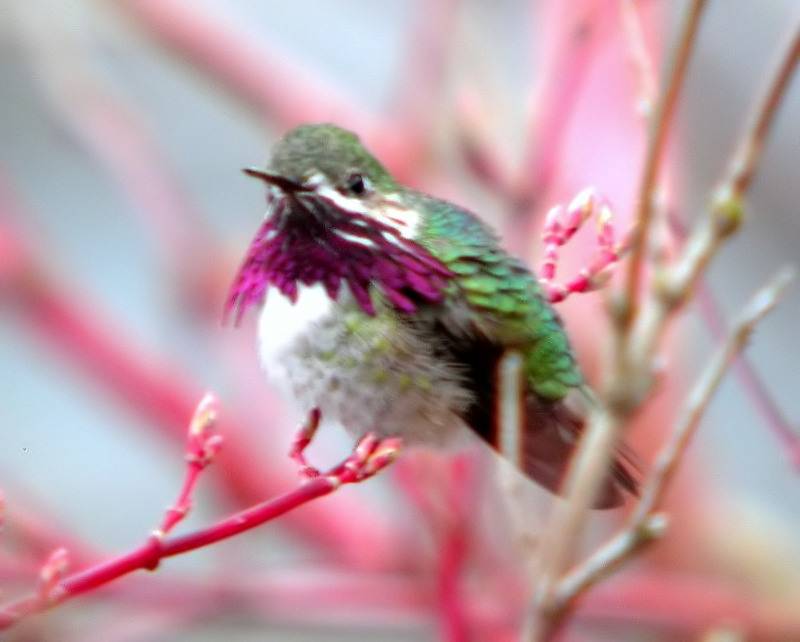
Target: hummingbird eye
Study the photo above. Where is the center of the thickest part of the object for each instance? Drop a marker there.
(357, 184)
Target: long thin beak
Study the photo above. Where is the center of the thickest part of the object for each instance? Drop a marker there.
(281, 182)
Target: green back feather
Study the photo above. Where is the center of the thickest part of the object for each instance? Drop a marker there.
(496, 296)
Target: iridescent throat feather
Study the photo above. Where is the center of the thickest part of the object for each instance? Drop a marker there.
(308, 239)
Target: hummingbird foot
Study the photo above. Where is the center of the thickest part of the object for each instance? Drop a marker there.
(302, 439)
(371, 455)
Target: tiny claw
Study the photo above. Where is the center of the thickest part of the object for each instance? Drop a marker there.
(302, 439)
(370, 455)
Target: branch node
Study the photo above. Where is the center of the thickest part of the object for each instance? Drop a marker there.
(727, 210)
(653, 527)
(619, 309)
(670, 290)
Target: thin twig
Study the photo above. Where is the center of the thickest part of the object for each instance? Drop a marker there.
(676, 285)
(202, 446)
(645, 524)
(574, 36)
(509, 407)
(278, 89)
(115, 134)
(756, 389)
(149, 555)
(759, 306)
(454, 549)
(636, 343)
(75, 324)
(642, 61)
(565, 525)
(659, 126)
(752, 383)
(745, 161)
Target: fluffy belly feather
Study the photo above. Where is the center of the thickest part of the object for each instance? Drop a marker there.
(367, 373)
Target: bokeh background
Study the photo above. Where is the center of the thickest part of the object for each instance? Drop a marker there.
(123, 207)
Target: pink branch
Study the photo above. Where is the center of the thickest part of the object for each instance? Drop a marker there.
(454, 610)
(119, 139)
(754, 386)
(282, 93)
(56, 587)
(560, 226)
(481, 157)
(568, 38)
(165, 397)
(202, 446)
(454, 550)
(255, 516)
(412, 118)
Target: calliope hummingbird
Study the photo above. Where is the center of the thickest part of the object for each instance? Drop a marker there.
(388, 311)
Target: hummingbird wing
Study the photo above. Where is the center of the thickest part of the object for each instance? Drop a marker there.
(494, 304)
(551, 428)
(493, 297)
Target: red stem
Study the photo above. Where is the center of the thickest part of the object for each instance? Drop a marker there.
(413, 117)
(166, 397)
(452, 604)
(251, 517)
(154, 550)
(570, 55)
(282, 93)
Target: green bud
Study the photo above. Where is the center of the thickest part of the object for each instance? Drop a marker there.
(727, 210)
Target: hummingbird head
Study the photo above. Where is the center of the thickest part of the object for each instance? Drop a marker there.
(335, 216)
(329, 164)
(327, 157)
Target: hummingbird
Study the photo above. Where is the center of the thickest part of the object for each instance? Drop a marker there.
(389, 311)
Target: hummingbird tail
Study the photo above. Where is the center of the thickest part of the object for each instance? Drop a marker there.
(551, 434)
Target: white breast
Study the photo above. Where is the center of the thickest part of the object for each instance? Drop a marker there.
(282, 323)
(360, 375)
